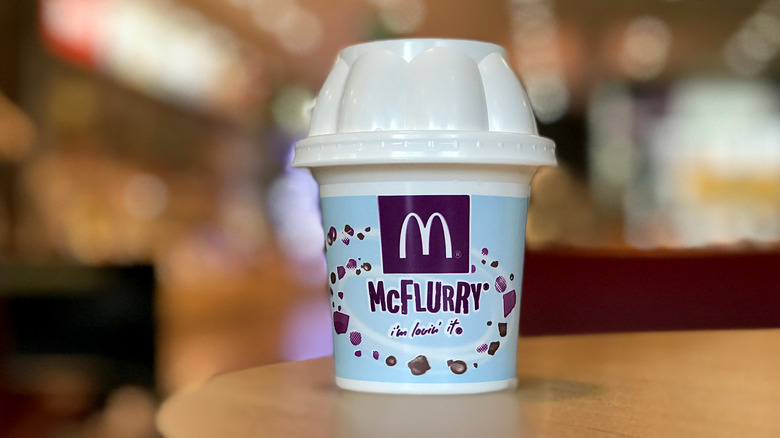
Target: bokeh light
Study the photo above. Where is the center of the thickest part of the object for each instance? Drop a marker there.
(293, 201)
(145, 196)
(756, 43)
(268, 14)
(645, 47)
(291, 110)
(299, 31)
(401, 16)
(306, 332)
(548, 94)
(538, 59)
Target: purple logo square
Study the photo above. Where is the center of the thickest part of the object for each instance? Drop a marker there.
(425, 234)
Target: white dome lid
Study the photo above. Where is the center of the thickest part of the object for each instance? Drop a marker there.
(423, 100)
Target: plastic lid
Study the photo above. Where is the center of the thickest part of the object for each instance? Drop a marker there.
(423, 100)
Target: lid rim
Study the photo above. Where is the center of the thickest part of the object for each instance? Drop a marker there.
(434, 147)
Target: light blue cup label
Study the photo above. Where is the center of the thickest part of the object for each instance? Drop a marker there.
(425, 288)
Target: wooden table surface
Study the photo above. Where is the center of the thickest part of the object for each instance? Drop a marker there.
(674, 384)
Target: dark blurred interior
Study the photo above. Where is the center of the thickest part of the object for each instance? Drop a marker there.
(153, 235)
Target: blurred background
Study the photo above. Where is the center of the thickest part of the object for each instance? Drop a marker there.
(153, 235)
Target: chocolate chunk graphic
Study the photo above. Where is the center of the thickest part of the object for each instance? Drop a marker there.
(500, 284)
(493, 347)
(391, 361)
(457, 366)
(360, 236)
(484, 251)
(341, 295)
(333, 277)
(358, 353)
(489, 323)
(331, 237)
(355, 338)
(511, 277)
(510, 300)
(341, 271)
(340, 322)
(502, 329)
(349, 230)
(351, 264)
(368, 229)
(482, 348)
(376, 355)
(419, 365)
(476, 365)
(494, 264)
(366, 266)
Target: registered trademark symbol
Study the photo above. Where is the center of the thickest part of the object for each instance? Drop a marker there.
(457, 254)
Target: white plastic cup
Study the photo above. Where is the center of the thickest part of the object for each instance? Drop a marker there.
(424, 150)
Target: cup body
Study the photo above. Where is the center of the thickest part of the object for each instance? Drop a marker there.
(424, 151)
(424, 269)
